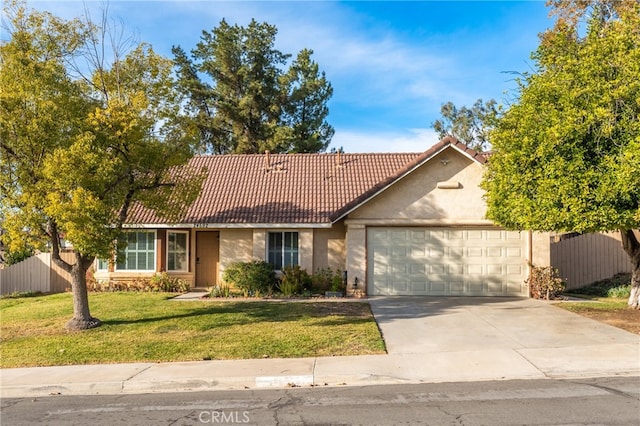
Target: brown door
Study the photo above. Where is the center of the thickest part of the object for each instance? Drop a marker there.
(207, 252)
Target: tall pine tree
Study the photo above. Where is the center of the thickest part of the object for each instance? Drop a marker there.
(242, 101)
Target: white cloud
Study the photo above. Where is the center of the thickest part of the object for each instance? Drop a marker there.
(410, 140)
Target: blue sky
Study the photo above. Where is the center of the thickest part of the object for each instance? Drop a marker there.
(392, 64)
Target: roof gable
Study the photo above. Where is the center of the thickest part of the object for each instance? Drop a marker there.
(447, 142)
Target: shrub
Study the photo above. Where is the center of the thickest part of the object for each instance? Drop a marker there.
(220, 290)
(253, 278)
(604, 288)
(163, 282)
(294, 280)
(160, 282)
(337, 282)
(620, 292)
(325, 279)
(544, 283)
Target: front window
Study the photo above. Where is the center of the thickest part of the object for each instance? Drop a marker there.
(177, 251)
(103, 265)
(283, 249)
(140, 253)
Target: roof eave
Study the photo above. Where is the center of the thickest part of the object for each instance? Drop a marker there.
(227, 225)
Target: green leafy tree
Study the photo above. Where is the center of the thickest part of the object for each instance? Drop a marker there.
(469, 125)
(566, 155)
(242, 101)
(305, 109)
(79, 148)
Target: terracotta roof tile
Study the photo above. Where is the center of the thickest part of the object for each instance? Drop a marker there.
(292, 188)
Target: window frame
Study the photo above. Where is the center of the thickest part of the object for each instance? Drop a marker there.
(103, 262)
(186, 251)
(283, 249)
(155, 252)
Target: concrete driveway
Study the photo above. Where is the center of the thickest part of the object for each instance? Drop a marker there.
(508, 331)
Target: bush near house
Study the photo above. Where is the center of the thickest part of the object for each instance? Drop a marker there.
(617, 286)
(160, 282)
(294, 280)
(544, 283)
(326, 279)
(253, 278)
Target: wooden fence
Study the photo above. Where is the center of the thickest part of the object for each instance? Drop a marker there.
(37, 273)
(584, 259)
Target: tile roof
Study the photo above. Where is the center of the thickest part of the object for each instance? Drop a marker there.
(291, 188)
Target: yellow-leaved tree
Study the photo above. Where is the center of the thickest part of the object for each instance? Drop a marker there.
(83, 139)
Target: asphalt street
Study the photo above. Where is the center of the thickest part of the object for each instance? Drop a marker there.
(599, 401)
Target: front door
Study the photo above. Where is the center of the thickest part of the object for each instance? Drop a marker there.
(207, 258)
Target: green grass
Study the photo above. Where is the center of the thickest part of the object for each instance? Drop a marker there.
(604, 304)
(149, 327)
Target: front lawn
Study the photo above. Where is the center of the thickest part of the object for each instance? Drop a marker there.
(147, 327)
(606, 301)
(612, 311)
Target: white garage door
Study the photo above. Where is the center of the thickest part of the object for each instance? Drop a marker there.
(446, 262)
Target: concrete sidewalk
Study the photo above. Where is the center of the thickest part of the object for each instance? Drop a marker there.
(428, 341)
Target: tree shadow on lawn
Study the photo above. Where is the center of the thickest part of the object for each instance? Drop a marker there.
(244, 313)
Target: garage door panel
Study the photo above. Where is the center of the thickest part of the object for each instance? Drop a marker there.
(456, 269)
(494, 288)
(419, 287)
(494, 252)
(494, 269)
(474, 235)
(513, 287)
(437, 287)
(398, 235)
(474, 251)
(494, 235)
(475, 288)
(457, 287)
(418, 236)
(442, 261)
(455, 252)
(513, 252)
(437, 235)
(515, 270)
(437, 269)
(418, 252)
(398, 252)
(474, 269)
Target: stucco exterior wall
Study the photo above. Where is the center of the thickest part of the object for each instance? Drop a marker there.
(356, 257)
(329, 250)
(259, 241)
(540, 253)
(417, 196)
(236, 245)
(305, 247)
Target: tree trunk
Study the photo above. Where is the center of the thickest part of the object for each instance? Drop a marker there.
(82, 319)
(631, 246)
